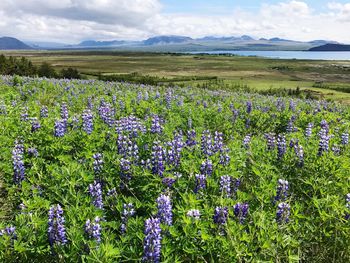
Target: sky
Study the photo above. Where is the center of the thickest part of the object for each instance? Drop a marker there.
(71, 21)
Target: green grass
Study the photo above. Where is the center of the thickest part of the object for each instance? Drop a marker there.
(257, 73)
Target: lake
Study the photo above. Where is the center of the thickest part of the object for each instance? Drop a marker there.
(314, 55)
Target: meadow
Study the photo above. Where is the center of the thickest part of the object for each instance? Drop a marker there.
(323, 79)
(96, 171)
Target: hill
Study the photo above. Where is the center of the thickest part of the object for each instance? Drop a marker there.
(331, 47)
(12, 43)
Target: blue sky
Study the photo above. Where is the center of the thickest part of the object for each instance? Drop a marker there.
(72, 21)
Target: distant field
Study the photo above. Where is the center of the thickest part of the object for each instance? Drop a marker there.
(328, 79)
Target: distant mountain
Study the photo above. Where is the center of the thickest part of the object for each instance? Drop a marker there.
(231, 38)
(12, 43)
(93, 43)
(331, 47)
(322, 42)
(45, 45)
(162, 40)
(277, 39)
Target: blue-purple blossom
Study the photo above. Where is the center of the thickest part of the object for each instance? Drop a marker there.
(220, 215)
(156, 126)
(95, 191)
(60, 128)
(345, 138)
(191, 138)
(93, 229)
(106, 113)
(207, 167)
(174, 150)
(347, 199)
(44, 112)
(246, 141)
(281, 146)
(201, 182)
(88, 124)
(130, 125)
(152, 241)
(35, 124)
(125, 172)
(283, 213)
(308, 130)
(9, 231)
(128, 211)
(229, 185)
(158, 157)
(98, 163)
(224, 158)
(164, 206)
(241, 211)
(64, 111)
(299, 151)
(168, 182)
(249, 106)
(218, 141)
(33, 152)
(194, 213)
(323, 145)
(18, 163)
(282, 190)
(56, 228)
(270, 141)
(207, 143)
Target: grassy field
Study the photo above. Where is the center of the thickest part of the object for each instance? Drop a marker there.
(326, 79)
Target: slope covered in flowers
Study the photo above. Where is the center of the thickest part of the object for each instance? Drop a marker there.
(113, 172)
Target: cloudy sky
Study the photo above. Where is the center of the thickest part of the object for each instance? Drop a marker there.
(71, 21)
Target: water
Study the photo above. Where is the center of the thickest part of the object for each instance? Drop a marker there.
(314, 55)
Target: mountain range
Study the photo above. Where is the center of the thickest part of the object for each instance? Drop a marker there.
(174, 43)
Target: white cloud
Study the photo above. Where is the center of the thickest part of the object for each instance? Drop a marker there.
(74, 20)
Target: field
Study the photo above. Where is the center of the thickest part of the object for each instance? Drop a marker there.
(97, 171)
(324, 79)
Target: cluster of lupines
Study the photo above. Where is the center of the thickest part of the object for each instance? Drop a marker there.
(35, 124)
(218, 142)
(56, 228)
(308, 131)
(283, 213)
(249, 106)
(95, 191)
(164, 206)
(168, 182)
(156, 126)
(24, 114)
(282, 190)
(229, 185)
(131, 125)
(323, 145)
(281, 146)
(64, 111)
(158, 158)
(127, 147)
(60, 128)
(152, 241)
(241, 211)
(18, 162)
(93, 229)
(347, 199)
(194, 213)
(224, 156)
(299, 151)
(128, 211)
(33, 152)
(125, 172)
(88, 124)
(246, 141)
(44, 112)
(345, 138)
(201, 182)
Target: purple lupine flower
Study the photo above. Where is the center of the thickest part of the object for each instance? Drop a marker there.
(18, 163)
(165, 213)
(323, 145)
(201, 182)
(128, 147)
(131, 125)
(56, 229)
(33, 152)
(152, 242)
(207, 167)
(249, 106)
(345, 138)
(281, 146)
(270, 141)
(218, 141)
(292, 105)
(220, 215)
(174, 152)
(168, 99)
(106, 113)
(283, 213)
(60, 128)
(336, 150)
(290, 126)
(229, 185)
(224, 158)
(93, 229)
(246, 141)
(128, 211)
(207, 143)
(98, 163)
(156, 126)
(299, 151)
(293, 142)
(324, 125)
(194, 213)
(191, 138)
(44, 112)
(308, 130)
(247, 123)
(241, 211)
(168, 182)
(95, 191)
(125, 172)
(157, 159)
(282, 190)
(347, 199)
(35, 124)
(88, 124)
(9, 231)
(64, 111)
(24, 114)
